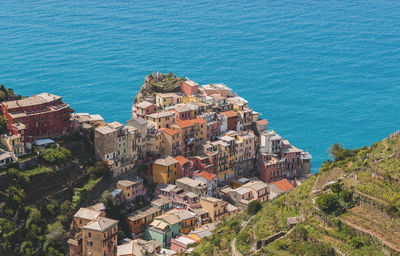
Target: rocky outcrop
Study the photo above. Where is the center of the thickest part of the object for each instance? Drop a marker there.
(158, 83)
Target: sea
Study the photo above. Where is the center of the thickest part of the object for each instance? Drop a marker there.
(321, 72)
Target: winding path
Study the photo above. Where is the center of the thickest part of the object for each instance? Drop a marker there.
(234, 251)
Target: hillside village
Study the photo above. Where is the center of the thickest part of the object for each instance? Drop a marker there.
(189, 157)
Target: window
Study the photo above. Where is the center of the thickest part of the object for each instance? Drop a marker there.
(90, 234)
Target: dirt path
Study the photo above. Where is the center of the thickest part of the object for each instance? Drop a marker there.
(234, 250)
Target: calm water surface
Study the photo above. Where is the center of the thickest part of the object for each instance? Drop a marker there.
(320, 71)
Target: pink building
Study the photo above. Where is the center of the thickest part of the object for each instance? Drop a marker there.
(180, 199)
(202, 163)
(181, 243)
(185, 167)
(292, 156)
(189, 87)
(143, 108)
(183, 112)
(284, 162)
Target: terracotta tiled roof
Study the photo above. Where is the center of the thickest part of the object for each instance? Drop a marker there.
(182, 160)
(199, 120)
(170, 132)
(283, 185)
(101, 125)
(184, 123)
(230, 113)
(206, 175)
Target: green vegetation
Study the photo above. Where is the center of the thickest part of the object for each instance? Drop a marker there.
(329, 203)
(56, 156)
(254, 207)
(6, 94)
(219, 243)
(351, 207)
(37, 206)
(164, 81)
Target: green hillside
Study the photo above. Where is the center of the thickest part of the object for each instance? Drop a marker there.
(351, 207)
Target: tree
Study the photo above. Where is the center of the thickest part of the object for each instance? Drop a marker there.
(3, 122)
(335, 150)
(57, 156)
(34, 215)
(3, 96)
(55, 233)
(65, 207)
(328, 203)
(337, 187)
(346, 196)
(254, 207)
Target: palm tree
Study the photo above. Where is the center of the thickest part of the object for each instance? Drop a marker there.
(335, 149)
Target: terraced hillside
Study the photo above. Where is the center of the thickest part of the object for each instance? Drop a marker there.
(351, 207)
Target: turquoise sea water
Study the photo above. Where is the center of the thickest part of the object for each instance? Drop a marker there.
(320, 71)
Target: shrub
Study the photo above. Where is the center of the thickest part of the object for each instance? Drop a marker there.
(346, 196)
(57, 156)
(337, 187)
(254, 207)
(34, 215)
(328, 203)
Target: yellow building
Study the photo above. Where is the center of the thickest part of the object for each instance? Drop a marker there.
(185, 99)
(186, 218)
(164, 170)
(216, 208)
(162, 119)
(13, 144)
(201, 130)
(165, 100)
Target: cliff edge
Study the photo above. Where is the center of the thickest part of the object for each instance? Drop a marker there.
(157, 82)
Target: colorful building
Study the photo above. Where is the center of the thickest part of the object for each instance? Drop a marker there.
(165, 170)
(181, 243)
(131, 189)
(164, 100)
(163, 229)
(171, 139)
(143, 108)
(139, 247)
(232, 120)
(139, 219)
(43, 115)
(100, 237)
(185, 167)
(163, 119)
(210, 180)
(218, 88)
(216, 208)
(183, 111)
(189, 87)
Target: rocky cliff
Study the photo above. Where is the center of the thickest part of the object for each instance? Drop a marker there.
(158, 83)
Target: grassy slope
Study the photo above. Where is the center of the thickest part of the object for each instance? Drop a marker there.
(370, 227)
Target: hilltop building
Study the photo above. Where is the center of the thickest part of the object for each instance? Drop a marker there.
(41, 115)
